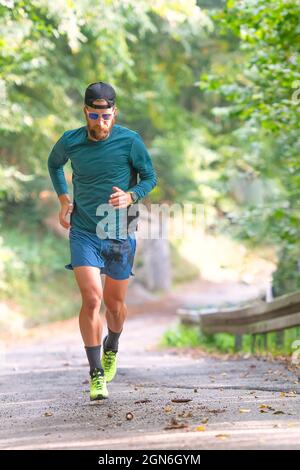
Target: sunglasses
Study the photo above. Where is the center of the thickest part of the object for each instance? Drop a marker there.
(95, 116)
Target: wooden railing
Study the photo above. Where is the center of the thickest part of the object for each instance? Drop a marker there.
(260, 317)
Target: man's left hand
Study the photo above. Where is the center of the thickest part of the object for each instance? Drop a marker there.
(119, 199)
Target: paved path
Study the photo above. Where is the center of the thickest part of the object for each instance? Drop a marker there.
(234, 403)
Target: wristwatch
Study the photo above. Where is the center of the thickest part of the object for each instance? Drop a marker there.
(134, 196)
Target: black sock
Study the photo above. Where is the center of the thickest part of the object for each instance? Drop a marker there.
(93, 355)
(111, 341)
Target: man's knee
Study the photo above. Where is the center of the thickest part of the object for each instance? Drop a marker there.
(91, 301)
(115, 306)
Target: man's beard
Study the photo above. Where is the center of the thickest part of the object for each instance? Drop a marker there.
(100, 133)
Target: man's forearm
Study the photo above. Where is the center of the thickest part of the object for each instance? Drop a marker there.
(64, 199)
(145, 185)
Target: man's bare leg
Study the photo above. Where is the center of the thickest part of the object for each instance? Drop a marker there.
(89, 282)
(114, 294)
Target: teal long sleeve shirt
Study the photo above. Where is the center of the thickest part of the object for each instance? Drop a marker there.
(96, 168)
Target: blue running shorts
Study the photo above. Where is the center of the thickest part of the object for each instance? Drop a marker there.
(113, 257)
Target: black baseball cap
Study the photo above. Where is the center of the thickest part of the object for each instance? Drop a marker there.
(100, 91)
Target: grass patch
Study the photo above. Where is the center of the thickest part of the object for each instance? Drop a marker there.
(34, 276)
(185, 336)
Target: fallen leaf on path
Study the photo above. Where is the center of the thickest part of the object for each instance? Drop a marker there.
(167, 409)
(200, 428)
(129, 416)
(181, 400)
(222, 436)
(216, 411)
(278, 412)
(204, 421)
(247, 356)
(288, 394)
(266, 407)
(174, 424)
(185, 414)
(244, 410)
(48, 413)
(143, 401)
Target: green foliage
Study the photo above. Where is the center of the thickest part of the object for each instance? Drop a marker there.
(12, 184)
(181, 336)
(214, 92)
(184, 336)
(49, 54)
(33, 276)
(256, 89)
(286, 279)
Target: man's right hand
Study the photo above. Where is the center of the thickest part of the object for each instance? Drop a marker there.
(65, 210)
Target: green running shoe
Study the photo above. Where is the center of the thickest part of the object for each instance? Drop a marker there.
(109, 364)
(98, 389)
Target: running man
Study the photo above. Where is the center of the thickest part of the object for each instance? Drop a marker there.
(106, 159)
